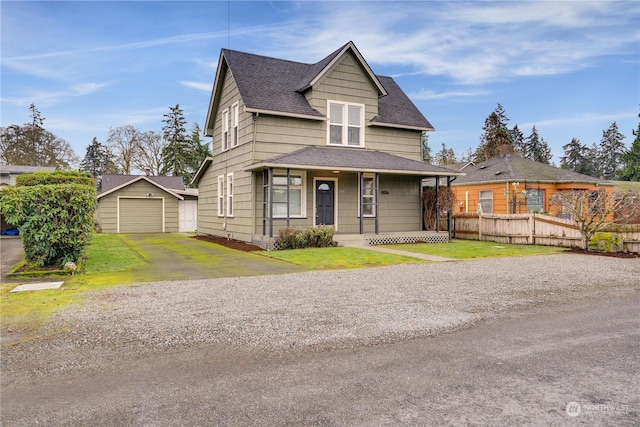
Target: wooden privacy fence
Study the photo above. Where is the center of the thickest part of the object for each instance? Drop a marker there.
(529, 229)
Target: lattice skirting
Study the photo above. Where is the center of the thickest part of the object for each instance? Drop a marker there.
(399, 238)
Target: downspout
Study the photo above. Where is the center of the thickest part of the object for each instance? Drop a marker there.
(253, 142)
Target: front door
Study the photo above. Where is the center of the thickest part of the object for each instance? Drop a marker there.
(325, 202)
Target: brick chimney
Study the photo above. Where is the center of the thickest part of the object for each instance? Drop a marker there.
(147, 171)
(504, 150)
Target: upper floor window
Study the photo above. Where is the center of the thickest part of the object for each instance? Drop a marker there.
(234, 127)
(225, 130)
(346, 124)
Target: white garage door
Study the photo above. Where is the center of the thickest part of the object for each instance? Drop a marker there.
(140, 215)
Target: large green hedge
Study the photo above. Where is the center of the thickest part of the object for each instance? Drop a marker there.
(56, 177)
(56, 219)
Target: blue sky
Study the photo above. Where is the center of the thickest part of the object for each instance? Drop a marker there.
(569, 67)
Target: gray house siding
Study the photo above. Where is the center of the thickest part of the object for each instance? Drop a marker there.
(278, 123)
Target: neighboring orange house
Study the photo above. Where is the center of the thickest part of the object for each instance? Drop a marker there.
(511, 184)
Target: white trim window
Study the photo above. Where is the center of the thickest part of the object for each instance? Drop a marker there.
(221, 195)
(230, 194)
(369, 195)
(225, 130)
(486, 201)
(346, 124)
(234, 125)
(297, 192)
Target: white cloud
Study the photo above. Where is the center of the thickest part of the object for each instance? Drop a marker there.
(470, 42)
(197, 85)
(582, 119)
(44, 98)
(431, 95)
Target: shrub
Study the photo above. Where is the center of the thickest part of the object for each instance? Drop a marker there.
(55, 220)
(56, 177)
(310, 237)
(606, 242)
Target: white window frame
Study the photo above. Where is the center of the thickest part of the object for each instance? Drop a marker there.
(345, 124)
(235, 116)
(220, 195)
(225, 130)
(230, 194)
(368, 177)
(302, 188)
(485, 199)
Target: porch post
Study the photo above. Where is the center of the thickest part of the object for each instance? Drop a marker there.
(360, 202)
(265, 195)
(450, 208)
(377, 203)
(288, 171)
(437, 204)
(270, 202)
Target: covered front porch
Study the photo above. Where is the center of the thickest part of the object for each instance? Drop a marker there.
(370, 197)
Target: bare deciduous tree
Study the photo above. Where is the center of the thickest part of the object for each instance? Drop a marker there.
(124, 142)
(149, 155)
(593, 210)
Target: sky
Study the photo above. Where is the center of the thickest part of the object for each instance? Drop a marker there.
(571, 68)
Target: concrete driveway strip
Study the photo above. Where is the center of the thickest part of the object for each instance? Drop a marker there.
(11, 253)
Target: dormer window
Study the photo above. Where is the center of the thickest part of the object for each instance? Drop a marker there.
(346, 124)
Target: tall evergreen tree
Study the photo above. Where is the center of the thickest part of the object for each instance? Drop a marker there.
(517, 139)
(631, 158)
(445, 157)
(97, 161)
(426, 150)
(495, 135)
(611, 151)
(536, 149)
(177, 153)
(577, 158)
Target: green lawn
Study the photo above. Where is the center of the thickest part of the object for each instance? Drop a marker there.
(338, 258)
(468, 249)
(109, 261)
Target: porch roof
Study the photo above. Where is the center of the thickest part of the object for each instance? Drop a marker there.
(351, 160)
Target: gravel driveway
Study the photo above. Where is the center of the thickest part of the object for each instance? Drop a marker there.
(308, 311)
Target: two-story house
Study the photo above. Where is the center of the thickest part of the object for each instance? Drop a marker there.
(300, 144)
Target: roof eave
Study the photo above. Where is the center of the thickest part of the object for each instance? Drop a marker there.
(398, 126)
(263, 165)
(284, 114)
(201, 170)
(140, 178)
(216, 88)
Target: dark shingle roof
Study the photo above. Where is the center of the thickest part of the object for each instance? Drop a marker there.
(277, 85)
(352, 159)
(515, 168)
(110, 182)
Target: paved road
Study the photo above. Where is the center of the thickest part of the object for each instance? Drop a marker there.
(520, 370)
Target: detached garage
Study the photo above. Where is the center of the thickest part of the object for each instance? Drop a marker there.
(146, 204)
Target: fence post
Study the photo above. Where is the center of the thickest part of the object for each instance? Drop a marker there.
(532, 229)
(480, 226)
